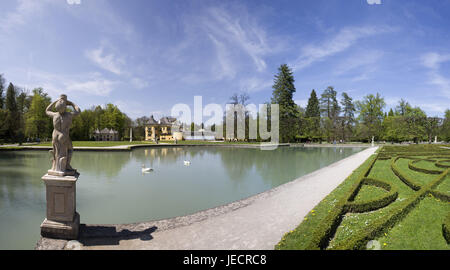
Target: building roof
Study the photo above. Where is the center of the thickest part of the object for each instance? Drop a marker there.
(152, 121)
(105, 131)
(167, 120)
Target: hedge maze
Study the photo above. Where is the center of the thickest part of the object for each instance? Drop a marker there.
(390, 186)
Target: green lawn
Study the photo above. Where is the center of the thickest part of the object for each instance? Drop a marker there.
(99, 143)
(195, 142)
(414, 220)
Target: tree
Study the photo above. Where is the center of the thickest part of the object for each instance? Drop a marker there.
(415, 119)
(348, 120)
(329, 107)
(12, 118)
(310, 124)
(432, 127)
(2, 89)
(445, 128)
(37, 123)
(371, 115)
(139, 127)
(283, 91)
(391, 112)
(312, 108)
(402, 107)
(240, 99)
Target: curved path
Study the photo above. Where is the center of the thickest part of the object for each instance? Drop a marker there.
(258, 222)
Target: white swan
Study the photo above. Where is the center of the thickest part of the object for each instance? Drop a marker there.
(146, 169)
(187, 163)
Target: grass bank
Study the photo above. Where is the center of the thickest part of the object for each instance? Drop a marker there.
(99, 143)
(399, 197)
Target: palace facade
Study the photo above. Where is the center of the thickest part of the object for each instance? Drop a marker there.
(166, 129)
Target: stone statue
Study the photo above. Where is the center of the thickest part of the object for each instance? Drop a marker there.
(62, 145)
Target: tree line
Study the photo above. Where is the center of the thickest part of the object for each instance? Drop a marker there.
(326, 117)
(23, 117)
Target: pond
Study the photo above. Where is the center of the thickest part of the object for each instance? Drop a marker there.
(112, 188)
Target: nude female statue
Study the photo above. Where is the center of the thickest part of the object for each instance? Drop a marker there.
(62, 145)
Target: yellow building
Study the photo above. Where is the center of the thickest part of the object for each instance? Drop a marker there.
(163, 130)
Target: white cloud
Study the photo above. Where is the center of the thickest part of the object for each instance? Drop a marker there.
(99, 86)
(239, 32)
(255, 84)
(22, 14)
(107, 62)
(372, 2)
(226, 68)
(93, 84)
(358, 61)
(433, 62)
(343, 40)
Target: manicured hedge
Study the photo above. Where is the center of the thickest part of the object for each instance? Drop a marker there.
(406, 179)
(422, 170)
(440, 195)
(378, 227)
(325, 231)
(327, 228)
(441, 165)
(446, 229)
(374, 204)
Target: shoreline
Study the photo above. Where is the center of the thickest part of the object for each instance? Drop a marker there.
(132, 146)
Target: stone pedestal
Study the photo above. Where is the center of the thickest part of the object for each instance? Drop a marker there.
(62, 220)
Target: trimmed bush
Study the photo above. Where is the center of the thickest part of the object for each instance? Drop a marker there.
(446, 229)
(359, 239)
(441, 164)
(422, 170)
(375, 204)
(327, 228)
(380, 222)
(408, 181)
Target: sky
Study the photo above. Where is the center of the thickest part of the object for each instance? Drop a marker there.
(146, 56)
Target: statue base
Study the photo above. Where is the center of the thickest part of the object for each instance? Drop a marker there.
(61, 230)
(62, 220)
(65, 173)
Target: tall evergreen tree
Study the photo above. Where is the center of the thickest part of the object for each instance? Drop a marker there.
(12, 118)
(391, 113)
(313, 109)
(329, 105)
(2, 90)
(348, 109)
(283, 91)
(311, 123)
(330, 109)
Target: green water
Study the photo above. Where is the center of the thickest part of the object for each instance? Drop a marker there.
(112, 188)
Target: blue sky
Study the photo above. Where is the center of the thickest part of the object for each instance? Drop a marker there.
(146, 56)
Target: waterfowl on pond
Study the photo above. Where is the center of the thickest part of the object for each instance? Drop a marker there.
(144, 169)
